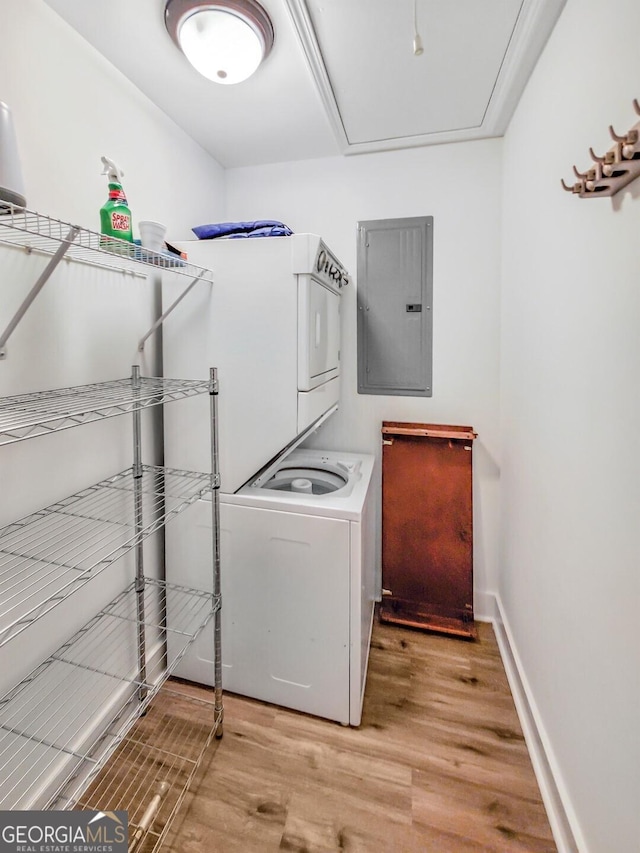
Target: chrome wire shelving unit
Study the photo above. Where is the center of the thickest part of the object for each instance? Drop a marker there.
(36, 232)
(152, 769)
(29, 415)
(61, 724)
(49, 555)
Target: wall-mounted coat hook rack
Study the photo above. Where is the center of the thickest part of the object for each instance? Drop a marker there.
(612, 171)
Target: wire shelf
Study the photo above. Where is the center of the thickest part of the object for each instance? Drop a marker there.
(60, 725)
(42, 412)
(36, 232)
(162, 751)
(47, 556)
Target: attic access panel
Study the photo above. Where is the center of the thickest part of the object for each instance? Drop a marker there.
(383, 92)
(395, 293)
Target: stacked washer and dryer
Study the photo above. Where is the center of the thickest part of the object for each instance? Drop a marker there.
(296, 525)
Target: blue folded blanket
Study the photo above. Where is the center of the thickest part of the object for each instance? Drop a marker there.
(259, 228)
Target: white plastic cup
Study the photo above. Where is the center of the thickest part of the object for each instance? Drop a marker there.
(152, 235)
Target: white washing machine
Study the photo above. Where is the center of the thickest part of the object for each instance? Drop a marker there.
(298, 587)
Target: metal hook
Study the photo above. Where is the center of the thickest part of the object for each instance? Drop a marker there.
(636, 105)
(569, 189)
(581, 175)
(615, 136)
(595, 156)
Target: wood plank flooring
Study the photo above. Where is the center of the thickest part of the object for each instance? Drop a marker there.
(438, 764)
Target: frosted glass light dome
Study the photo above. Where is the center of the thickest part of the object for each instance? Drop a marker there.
(224, 41)
(221, 46)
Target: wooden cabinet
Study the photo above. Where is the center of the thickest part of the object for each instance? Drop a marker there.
(427, 527)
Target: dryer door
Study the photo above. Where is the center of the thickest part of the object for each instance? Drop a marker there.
(318, 333)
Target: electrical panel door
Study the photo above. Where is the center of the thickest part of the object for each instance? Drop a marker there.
(395, 289)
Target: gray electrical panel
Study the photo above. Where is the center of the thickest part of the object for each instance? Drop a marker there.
(395, 310)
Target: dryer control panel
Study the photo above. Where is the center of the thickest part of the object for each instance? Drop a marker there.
(311, 256)
(328, 269)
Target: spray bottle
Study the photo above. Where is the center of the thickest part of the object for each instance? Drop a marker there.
(115, 216)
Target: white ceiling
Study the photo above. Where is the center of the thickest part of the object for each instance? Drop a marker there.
(342, 76)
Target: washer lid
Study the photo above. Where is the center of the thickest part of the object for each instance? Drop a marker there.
(262, 476)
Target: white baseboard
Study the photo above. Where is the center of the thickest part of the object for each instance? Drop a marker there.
(484, 606)
(562, 817)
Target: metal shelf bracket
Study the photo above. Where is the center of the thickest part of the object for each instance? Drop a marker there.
(37, 287)
(36, 232)
(164, 316)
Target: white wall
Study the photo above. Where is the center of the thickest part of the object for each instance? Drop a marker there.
(569, 575)
(568, 535)
(69, 108)
(460, 186)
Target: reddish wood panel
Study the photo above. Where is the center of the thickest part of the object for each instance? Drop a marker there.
(432, 430)
(427, 527)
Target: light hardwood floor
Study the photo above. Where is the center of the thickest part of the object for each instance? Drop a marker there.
(438, 764)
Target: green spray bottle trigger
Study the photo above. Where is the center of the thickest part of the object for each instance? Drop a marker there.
(115, 216)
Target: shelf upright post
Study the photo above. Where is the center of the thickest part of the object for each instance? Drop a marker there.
(215, 512)
(137, 498)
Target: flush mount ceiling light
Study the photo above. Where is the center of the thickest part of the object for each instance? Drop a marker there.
(225, 41)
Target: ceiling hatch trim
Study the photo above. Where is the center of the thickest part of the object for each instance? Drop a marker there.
(534, 24)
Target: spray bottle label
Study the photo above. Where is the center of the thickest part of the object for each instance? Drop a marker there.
(120, 221)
